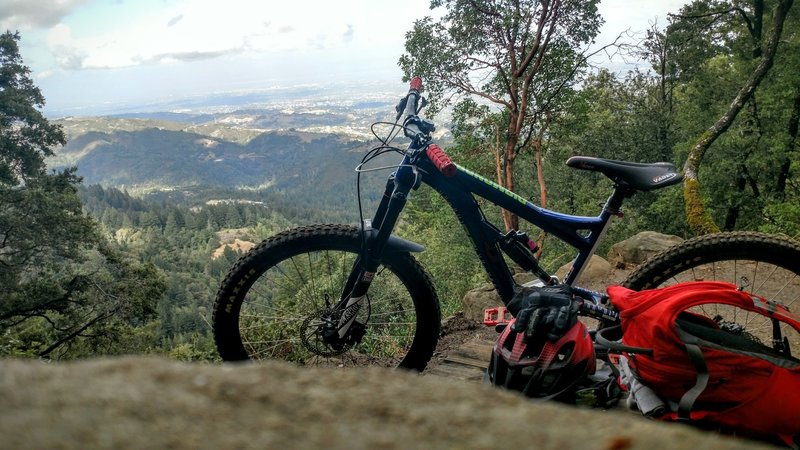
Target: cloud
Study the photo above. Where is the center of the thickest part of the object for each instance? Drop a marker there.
(67, 56)
(27, 14)
(347, 37)
(70, 59)
(190, 56)
(175, 20)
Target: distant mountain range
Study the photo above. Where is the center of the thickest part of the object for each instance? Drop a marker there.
(157, 157)
(301, 146)
(196, 159)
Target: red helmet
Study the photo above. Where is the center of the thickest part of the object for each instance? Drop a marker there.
(542, 368)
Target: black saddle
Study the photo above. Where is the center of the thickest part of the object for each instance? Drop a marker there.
(639, 176)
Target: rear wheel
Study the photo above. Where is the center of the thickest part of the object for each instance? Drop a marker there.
(276, 303)
(761, 264)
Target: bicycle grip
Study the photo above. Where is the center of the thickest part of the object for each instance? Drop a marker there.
(441, 161)
(416, 84)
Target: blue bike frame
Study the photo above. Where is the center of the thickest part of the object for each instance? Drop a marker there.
(582, 233)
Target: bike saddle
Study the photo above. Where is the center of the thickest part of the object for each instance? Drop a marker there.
(639, 176)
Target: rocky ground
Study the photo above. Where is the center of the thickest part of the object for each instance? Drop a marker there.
(155, 403)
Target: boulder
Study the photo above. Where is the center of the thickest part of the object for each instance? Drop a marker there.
(637, 249)
(478, 299)
(597, 270)
(145, 403)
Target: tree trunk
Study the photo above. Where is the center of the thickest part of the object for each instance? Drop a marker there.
(735, 207)
(511, 220)
(700, 220)
(794, 124)
(537, 146)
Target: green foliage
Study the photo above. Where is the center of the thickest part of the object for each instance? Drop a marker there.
(66, 291)
(473, 39)
(26, 137)
(748, 169)
(196, 347)
(180, 242)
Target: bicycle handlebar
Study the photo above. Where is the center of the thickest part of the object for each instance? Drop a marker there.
(411, 106)
(412, 130)
(416, 84)
(441, 161)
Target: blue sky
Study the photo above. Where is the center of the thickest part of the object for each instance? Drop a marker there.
(89, 53)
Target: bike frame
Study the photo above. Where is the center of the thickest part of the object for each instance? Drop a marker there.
(581, 232)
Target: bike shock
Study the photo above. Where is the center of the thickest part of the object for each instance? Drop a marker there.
(519, 247)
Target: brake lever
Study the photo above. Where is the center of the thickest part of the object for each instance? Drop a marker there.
(401, 106)
(423, 102)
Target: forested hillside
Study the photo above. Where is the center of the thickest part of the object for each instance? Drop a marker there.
(315, 169)
(188, 245)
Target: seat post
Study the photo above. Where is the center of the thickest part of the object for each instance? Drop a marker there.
(614, 203)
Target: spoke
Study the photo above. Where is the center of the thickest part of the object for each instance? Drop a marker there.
(396, 299)
(282, 272)
(769, 277)
(755, 274)
(299, 273)
(247, 301)
(268, 279)
(272, 323)
(272, 341)
(387, 337)
(312, 277)
(388, 313)
(276, 343)
(391, 323)
(766, 325)
(775, 297)
(344, 275)
(330, 272)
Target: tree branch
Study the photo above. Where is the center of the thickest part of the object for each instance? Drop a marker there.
(74, 334)
(543, 18)
(483, 10)
(716, 14)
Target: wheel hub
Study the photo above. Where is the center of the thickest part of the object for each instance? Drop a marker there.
(319, 334)
(315, 332)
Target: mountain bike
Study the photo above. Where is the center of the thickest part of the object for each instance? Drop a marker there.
(344, 295)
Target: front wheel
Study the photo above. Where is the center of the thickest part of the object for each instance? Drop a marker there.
(761, 264)
(276, 300)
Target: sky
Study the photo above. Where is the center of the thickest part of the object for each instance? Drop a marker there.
(87, 55)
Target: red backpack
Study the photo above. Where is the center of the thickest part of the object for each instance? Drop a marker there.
(712, 377)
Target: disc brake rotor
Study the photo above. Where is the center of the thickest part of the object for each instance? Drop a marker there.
(312, 337)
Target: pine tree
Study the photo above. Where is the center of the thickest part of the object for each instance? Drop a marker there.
(61, 280)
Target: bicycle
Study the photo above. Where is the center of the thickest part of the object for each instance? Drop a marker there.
(347, 295)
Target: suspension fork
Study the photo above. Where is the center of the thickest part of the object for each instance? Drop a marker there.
(374, 239)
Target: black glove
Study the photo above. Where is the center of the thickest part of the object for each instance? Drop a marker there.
(546, 311)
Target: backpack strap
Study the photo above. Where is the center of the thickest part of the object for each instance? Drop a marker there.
(609, 338)
(691, 396)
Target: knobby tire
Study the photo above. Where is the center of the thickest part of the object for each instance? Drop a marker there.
(271, 302)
